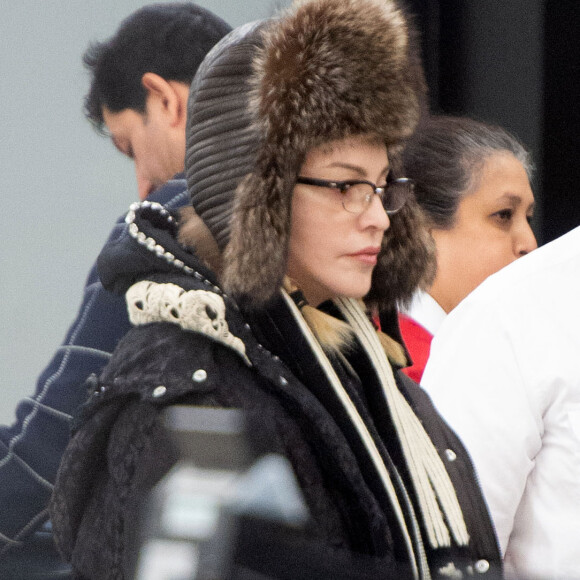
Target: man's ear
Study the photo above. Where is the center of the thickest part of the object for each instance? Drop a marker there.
(166, 97)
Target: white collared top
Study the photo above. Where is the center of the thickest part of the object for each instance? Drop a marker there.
(504, 371)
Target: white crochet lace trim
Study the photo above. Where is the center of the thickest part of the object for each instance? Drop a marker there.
(196, 310)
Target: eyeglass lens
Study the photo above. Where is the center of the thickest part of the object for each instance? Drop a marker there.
(358, 197)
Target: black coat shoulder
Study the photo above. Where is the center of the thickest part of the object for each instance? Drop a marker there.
(120, 448)
(161, 363)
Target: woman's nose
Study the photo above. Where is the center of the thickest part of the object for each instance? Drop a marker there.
(375, 215)
(526, 241)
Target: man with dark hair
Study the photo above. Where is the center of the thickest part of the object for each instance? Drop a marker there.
(138, 96)
(140, 84)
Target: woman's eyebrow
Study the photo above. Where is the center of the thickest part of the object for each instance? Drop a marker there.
(512, 198)
(355, 168)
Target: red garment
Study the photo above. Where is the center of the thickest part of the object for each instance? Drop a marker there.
(418, 342)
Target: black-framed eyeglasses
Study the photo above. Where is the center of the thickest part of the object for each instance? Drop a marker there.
(357, 194)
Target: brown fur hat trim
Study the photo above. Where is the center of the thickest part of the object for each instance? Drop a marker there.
(325, 70)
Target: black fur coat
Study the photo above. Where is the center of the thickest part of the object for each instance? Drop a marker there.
(260, 364)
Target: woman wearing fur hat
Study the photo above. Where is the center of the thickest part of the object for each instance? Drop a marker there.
(294, 126)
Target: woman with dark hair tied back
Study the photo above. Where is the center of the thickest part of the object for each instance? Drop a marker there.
(260, 301)
(472, 180)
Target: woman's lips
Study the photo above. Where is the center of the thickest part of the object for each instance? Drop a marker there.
(367, 255)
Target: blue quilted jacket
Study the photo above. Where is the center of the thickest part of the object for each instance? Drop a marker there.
(31, 449)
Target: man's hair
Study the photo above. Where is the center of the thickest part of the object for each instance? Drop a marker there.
(170, 40)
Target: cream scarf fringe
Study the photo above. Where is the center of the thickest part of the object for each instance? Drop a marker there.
(431, 481)
(436, 495)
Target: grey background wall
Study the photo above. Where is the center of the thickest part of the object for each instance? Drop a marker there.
(62, 186)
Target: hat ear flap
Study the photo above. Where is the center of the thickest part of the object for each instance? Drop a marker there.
(256, 255)
(406, 260)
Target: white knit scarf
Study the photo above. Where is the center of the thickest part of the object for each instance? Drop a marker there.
(431, 482)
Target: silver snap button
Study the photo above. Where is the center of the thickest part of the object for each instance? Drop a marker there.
(199, 376)
(482, 566)
(450, 454)
(283, 381)
(159, 391)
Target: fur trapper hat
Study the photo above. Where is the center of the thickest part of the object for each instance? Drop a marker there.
(271, 91)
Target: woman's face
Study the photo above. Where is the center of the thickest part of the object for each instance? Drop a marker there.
(491, 230)
(333, 252)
